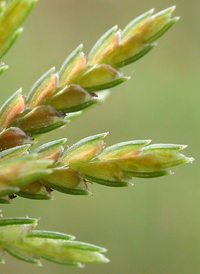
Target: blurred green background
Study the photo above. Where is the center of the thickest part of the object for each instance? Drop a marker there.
(153, 227)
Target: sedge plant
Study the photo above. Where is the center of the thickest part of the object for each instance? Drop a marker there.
(54, 100)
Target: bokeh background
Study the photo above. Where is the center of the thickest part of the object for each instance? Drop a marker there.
(153, 227)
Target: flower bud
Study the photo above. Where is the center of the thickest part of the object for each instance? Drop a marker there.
(104, 46)
(105, 173)
(40, 120)
(132, 28)
(72, 67)
(161, 22)
(12, 108)
(15, 229)
(36, 191)
(121, 149)
(11, 18)
(14, 152)
(52, 150)
(22, 170)
(71, 98)
(84, 150)
(66, 180)
(101, 76)
(162, 156)
(44, 88)
(138, 35)
(12, 137)
(60, 250)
